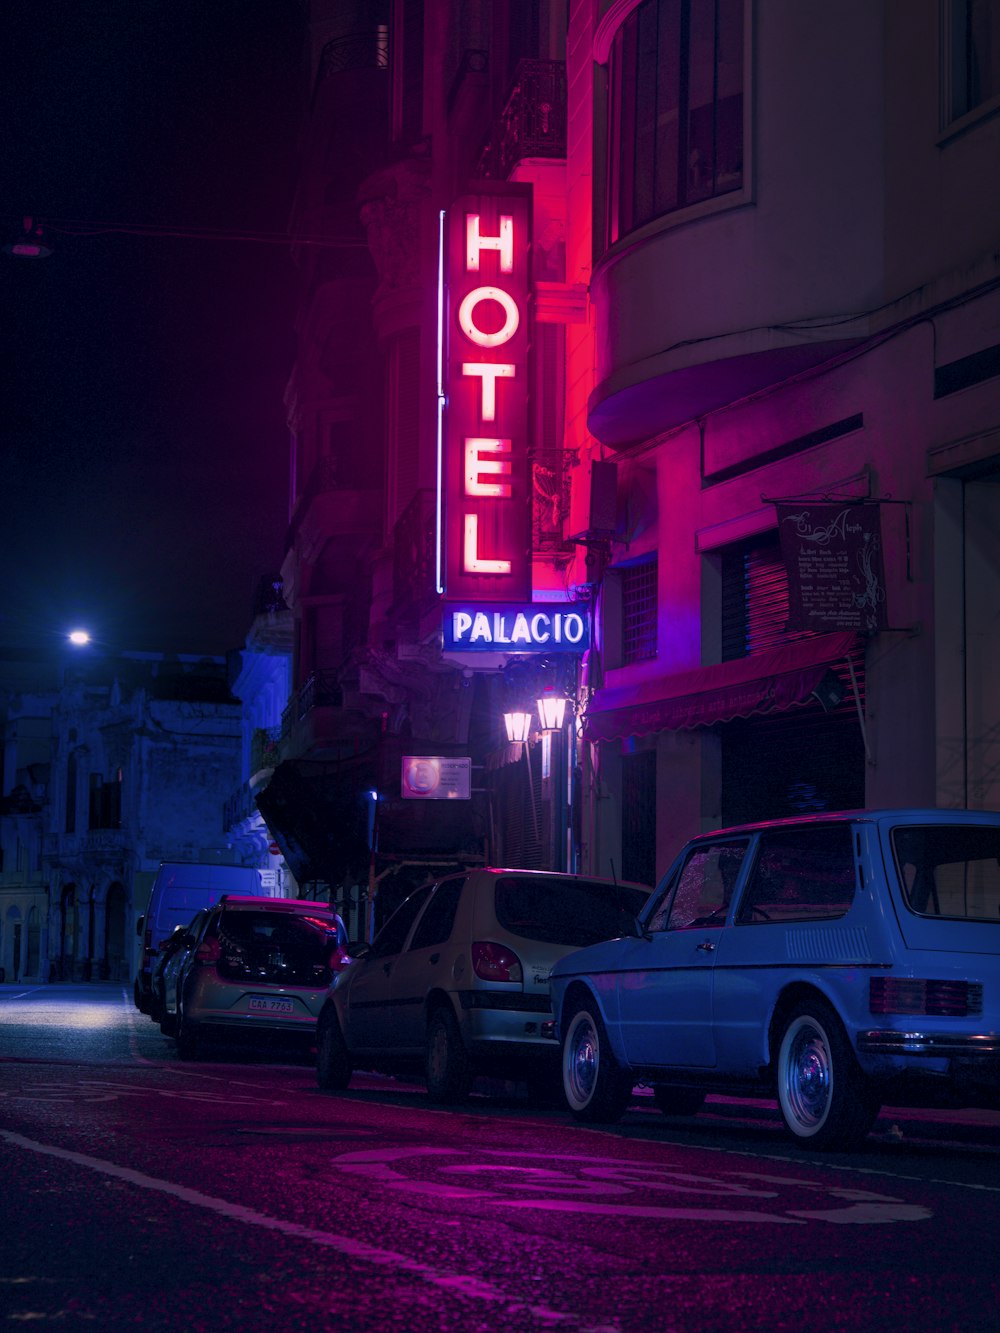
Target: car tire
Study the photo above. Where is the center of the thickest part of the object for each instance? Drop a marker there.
(678, 1101)
(333, 1064)
(446, 1066)
(138, 997)
(595, 1087)
(824, 1097)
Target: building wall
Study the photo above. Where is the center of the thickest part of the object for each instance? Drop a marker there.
(860, 218)
(85, 867)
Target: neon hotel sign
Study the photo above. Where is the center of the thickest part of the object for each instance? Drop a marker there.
(483, 467)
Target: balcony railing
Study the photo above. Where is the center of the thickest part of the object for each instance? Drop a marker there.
(532, 124)
(321, 690)
(265, 750)
(238, 807)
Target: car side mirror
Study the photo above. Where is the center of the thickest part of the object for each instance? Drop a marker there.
(139, 925)
(358, 948)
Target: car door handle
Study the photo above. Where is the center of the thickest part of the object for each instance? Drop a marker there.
(708, 946)
(434, 958)
(386, 968)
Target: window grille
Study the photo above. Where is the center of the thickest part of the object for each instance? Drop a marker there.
(638, 584)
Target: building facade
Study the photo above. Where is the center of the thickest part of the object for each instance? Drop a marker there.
(122, 763)
(673, 317)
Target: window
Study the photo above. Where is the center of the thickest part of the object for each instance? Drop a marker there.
(675, 109)
(566, 911)
(436, 923)
(950, 870)
(801, 875)
(638, 589)
(970, 75)
(392, 936)
(704, 888)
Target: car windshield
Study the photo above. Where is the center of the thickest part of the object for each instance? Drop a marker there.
(566, 911)
(950, 870)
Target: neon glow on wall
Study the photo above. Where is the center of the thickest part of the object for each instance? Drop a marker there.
(486, 496)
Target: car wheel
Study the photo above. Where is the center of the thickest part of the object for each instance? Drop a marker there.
(140, 1002)
(333, 1065)
(446, 1068)
(678, 1101)
(168, 1024)
(595, 1087)
(825, 1099)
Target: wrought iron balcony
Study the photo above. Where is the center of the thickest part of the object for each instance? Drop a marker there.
(321, 690)
(532, 124)
(265, 750)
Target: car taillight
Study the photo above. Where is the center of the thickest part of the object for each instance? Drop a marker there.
(208, 951)
(915, 995)
(495, 962)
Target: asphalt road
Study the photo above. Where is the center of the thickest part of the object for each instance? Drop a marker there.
(231, 1194)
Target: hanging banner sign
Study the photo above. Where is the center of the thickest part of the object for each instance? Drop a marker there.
(833, 556)
(485, 472)
(535, 627)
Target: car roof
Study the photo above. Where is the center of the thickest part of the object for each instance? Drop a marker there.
(889, 815)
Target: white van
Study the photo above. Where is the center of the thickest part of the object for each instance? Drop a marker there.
(179, 890)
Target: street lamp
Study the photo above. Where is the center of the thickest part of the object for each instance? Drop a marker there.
(518, 727)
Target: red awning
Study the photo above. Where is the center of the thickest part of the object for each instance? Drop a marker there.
(762, 683)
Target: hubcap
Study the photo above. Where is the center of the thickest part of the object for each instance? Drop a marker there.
(583, 1068)
(809, 1081)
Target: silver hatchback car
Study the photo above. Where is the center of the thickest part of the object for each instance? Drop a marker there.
(457, 980)
(260, 966)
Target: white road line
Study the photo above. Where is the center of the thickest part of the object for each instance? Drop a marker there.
(456, 1284)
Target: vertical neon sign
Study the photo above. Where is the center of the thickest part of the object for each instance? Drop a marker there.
(487, 531)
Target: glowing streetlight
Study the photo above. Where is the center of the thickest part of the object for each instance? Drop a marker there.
(79, 638)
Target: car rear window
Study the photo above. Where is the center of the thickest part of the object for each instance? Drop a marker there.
(575, 912)
(949, 870)
(279, 947)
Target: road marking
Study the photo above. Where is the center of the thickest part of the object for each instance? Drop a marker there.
(601, 1185)
(455, 1284)
(92, 1090)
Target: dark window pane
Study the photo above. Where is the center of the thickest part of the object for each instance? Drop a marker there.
(801, 875)
(436, 923)
(566, 911)
(950, 870)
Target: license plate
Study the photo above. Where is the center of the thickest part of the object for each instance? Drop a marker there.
(260, 1004)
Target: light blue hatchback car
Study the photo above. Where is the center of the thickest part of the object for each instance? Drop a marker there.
(837, 962)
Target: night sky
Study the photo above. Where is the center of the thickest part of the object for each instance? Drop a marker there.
(145, 456)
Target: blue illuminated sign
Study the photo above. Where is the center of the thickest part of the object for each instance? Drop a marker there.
(535, 627)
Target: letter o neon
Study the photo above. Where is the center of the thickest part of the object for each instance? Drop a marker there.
(468, 325)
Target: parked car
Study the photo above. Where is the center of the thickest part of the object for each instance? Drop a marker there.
(457, 980)
(258, 965)
(166, 960)
(168, 969)
(179, 889)
(836, 962)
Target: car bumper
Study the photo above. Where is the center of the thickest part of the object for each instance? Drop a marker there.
(506, 1018)
(932, 1045)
